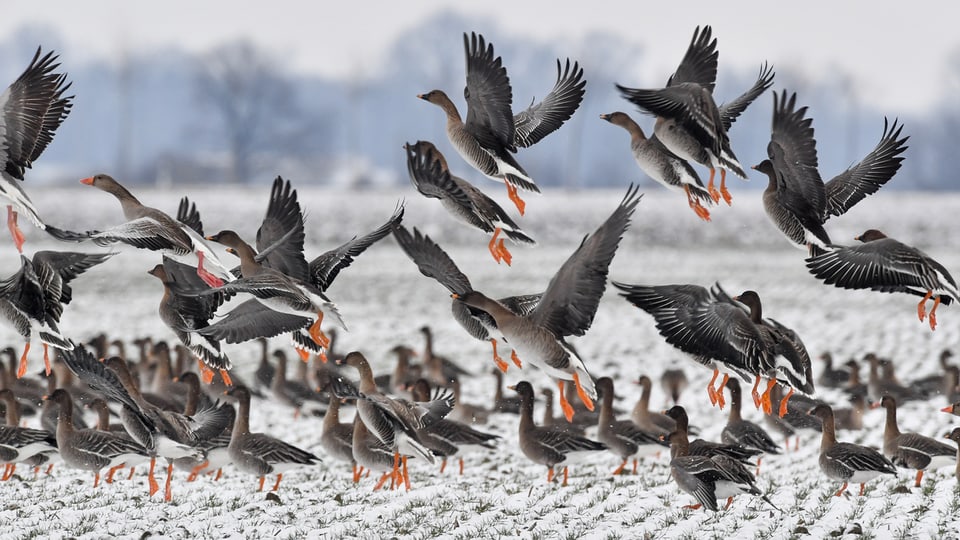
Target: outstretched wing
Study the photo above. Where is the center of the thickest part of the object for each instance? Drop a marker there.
(541, 119)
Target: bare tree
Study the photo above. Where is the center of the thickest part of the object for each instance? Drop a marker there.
(256, 103)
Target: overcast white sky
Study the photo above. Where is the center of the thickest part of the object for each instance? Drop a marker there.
(896, 50)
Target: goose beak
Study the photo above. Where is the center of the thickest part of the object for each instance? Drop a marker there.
(947, 409)
(455, 296)
(88, 181)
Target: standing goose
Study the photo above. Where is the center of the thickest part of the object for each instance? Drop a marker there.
(21, 444)
(646, 419)
(90, 449)
(294, 393)
(622, 437)
(258, 453)
(431, 176)
(446, 438)
(830, 377)
(149, 228)
(434, 263)
(395, 422)
(796, 418)
(847, 461)
(491, 132)
(702, 447)
(912, 450)
(709, 478)
(275, 289)
(371, 454)
(796, 199)
(567, 307)
(689, 122)
(32, 299)
(548, 445)
(673, 382)
(336, 437)
(880, 263)
(31, 110)
(744, 432)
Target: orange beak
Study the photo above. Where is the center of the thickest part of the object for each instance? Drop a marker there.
(947, 409)
(455, 296)
(88, 181)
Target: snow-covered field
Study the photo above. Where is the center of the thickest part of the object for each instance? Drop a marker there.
(385, 300)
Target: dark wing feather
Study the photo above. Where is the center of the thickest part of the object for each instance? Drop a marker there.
(541, 119)
(32, 108)
(327, 266)
(188, 214)
(488, 95)
(252, 320)
(432, 261)
(101, 378)
(865, 178)
(699, 63)
(570, 302)
(729, 112)
(793, 151)
(283, 215)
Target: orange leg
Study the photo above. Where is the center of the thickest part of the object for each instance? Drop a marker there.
(933, 313)
(195, 472)
(783, 403)
(15, 231)
(357, 473)
(504, 252)
(759, 459)
(863, 488)
(694, 203)
(714, 194)
(582, 393)
(692, 506)
(22, 370)
(46, 353)
(7, 471)
(723, 383)
(921, 307)
(318, 336)
(205, 274)
(503, 365)
(443, 465)
(219, 475)
(765, 397)
(564, 404)
(711, 392)
(517, 201)
(206, 374)
(225, 375)
(50, 469)
(754, 393)
(619, 469)
(565, 474)
(96, 479)
(167, 489)
(723, 187)
(516, 359)
(154, 486)
(406, 474)
(634, 465)
(844, 488)
(276, 486)
(492, 246)
(262, 478)
(461, 466)
(729, 502)
(549, 474)
(919, 477)
(129, 476)
(323, 356)
(111, 472)
(382, 480)
(396, 470)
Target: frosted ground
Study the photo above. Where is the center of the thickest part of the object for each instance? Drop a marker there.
(385, 300)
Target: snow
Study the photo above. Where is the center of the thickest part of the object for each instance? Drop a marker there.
(385, 300)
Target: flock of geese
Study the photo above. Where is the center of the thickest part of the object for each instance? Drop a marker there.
(275, 291)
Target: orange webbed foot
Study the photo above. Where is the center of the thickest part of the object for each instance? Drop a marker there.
(783, 403)
(564, 404)
(588, 403)
(516, 359)
(22, 370)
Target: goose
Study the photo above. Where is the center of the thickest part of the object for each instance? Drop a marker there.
(566, 308)
(258, 453)
(20, 444)
(881, 263)
(743, 432)
(431, 175)
(31, 110)
(622, 437)
(152, 229)
(491, 132)
(548, 445)
(434, 262)
(912, 450)
(796, 199)
(845, 461)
